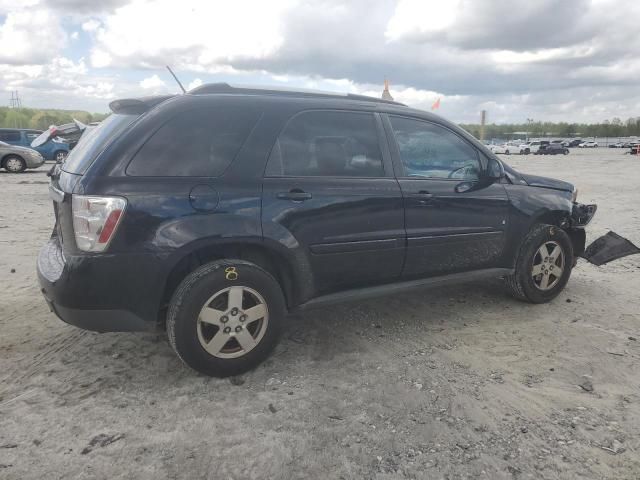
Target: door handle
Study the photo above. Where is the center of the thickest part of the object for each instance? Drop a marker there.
(423, 194)
(423, 197)
(295, 195)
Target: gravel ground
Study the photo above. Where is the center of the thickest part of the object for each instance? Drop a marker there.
(456, 382)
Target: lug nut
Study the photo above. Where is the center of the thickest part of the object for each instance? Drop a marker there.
(227, 329)
(238, 329)
(234, 311)
(224, 319)
(243, 318)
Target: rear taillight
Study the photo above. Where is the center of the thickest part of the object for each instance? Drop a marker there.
(95, 220)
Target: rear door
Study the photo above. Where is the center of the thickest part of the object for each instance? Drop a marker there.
(455, 217)
(329, 193)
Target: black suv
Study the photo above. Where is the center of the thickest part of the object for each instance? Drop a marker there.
(215, 213)
(552, 149)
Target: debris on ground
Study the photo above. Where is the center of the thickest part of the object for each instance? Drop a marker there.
(101, 440)
(586, 384)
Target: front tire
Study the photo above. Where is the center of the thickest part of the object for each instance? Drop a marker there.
(225, 317)
(14, 164)
(543, 266)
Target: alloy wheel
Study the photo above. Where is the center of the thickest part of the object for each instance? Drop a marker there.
(232, 322)
(548, 265)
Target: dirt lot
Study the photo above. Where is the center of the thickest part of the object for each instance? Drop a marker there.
(458, 382)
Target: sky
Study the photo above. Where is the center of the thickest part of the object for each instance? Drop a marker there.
(549, 60)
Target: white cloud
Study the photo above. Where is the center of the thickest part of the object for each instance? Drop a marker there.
(194, 84)
(74, 35)
(154, 82)
(421, 16)
(30, 36)
(91, 25)
(204, 33)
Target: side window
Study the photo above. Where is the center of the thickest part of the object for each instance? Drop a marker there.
(329, 144)
(428, 150)
(10, 136)
(200, 143)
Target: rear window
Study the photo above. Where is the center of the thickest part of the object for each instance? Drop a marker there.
(200, 143)
(94, 140)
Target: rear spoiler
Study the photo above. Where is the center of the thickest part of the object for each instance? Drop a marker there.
(137, 106)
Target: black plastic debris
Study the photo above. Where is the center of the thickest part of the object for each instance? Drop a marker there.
(609, 247)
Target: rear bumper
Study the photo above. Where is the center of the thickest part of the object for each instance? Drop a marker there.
(103, 293)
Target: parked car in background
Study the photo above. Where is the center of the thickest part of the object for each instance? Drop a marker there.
(572, 143)
(530, 147)
(552, 149)
(504, 149)
(617, 145)
(68, 132)
(16, 159)
(590, 144)
(282, 201)
(54, 149)
(635, 149)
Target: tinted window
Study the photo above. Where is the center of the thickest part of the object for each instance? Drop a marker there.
(10, 136)
(94, 140)
(199, 143)
(325, 143)
(428, 150)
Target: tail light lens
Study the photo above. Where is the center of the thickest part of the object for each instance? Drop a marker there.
(95, 220)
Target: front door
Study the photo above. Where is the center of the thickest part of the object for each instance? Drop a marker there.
(455, 217)
(330, 195)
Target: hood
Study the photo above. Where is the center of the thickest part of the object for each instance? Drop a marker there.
(25, 150)
(546, 182)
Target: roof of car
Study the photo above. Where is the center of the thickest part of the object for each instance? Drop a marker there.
(225, 88)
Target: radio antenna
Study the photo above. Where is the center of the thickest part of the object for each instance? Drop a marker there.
(176, 78)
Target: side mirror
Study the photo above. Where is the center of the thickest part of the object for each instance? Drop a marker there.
(495, 171)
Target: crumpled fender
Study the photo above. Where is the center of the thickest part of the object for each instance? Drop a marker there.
(607, 248)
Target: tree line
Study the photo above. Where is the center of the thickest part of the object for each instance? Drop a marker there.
(40, 119)
(608, 128)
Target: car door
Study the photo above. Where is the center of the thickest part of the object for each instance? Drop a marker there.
(329, 194)
(455, 216)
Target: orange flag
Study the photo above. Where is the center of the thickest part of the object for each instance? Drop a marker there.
(436, 104)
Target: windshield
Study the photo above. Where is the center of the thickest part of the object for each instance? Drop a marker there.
(94, 141)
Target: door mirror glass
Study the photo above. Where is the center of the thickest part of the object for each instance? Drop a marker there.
(494, 169)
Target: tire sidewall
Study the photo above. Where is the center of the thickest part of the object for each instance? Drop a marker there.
(538, 235)
(190, 297)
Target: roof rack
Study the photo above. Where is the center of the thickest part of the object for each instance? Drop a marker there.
(225, 88)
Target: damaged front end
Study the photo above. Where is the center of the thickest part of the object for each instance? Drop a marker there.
(603, 250)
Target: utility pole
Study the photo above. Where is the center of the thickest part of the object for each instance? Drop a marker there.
(483, 122)
(15, 101)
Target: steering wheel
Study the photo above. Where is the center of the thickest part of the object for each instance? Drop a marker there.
(452, 173)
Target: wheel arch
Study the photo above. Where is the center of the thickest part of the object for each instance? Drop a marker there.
(561, 219)
(258, 253)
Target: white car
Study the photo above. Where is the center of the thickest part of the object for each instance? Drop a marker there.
(531, 147)
(588, 145)
(506, 149)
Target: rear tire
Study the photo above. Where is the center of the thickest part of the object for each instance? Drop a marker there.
(14, 164)
(222, 293)
(541, 271)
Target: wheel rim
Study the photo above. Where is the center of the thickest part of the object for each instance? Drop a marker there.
(548, 266)
(60, 156)
(232, 322)
(14, 165)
